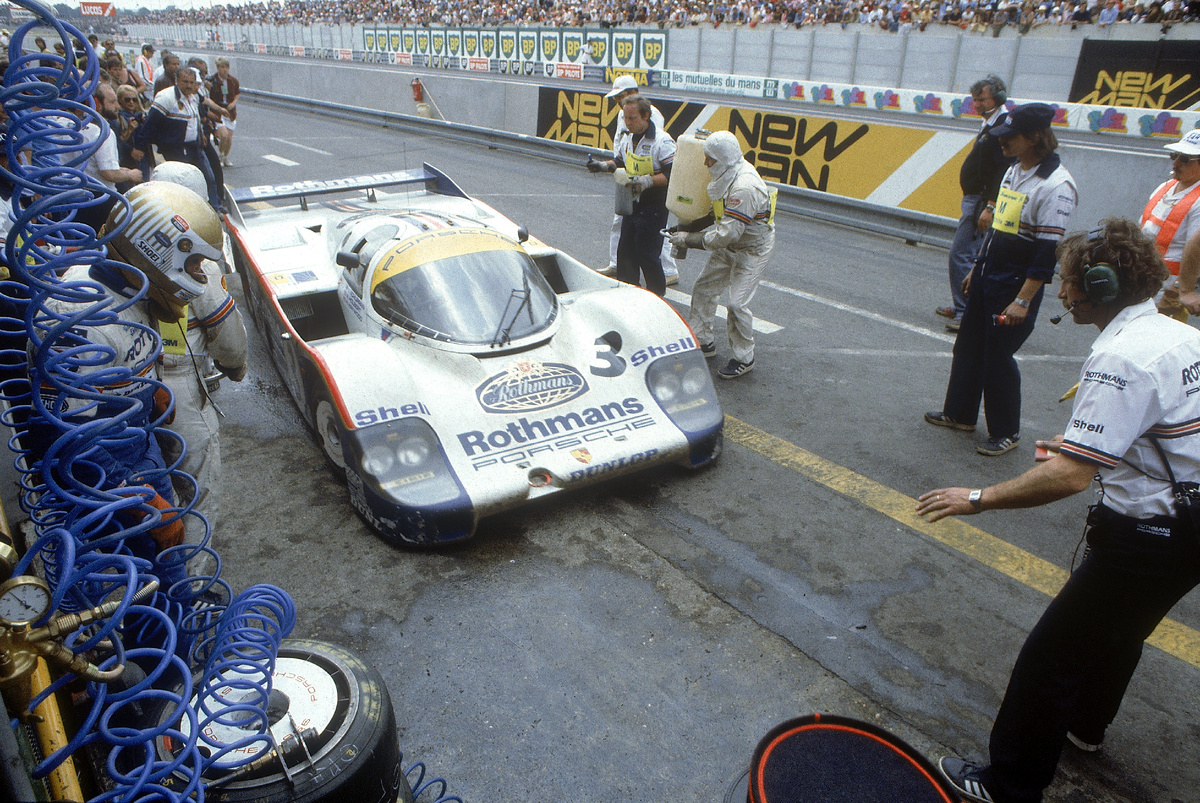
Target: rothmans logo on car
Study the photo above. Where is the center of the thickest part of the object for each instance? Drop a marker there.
(529, 385)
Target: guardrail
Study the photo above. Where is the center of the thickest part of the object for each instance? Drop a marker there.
(912, 227)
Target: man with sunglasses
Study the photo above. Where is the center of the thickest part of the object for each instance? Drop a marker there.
(1172, 220)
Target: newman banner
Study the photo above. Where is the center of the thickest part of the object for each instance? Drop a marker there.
(1147, 75)
(895, 165)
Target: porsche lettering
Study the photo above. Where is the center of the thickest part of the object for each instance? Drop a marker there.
(524, 430)
(522, 455)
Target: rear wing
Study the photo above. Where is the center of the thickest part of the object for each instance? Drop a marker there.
(432, 179)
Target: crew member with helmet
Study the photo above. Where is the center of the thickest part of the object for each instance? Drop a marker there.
(623, 88)
(192, 364)
(1172, 219)
(740, 242)
(646, 152)
(169, 232)
(1134, 424)
(1004, 289)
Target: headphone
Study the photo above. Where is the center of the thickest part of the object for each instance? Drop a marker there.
(1100, 283)
(999, 91)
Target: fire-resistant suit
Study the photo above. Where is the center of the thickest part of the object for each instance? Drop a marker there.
(740, 243)
(216, 339)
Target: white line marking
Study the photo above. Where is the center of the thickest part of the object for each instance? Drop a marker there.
(270, 157)
(919, 167)
(908, 327)
(766, 327)
(298, 145)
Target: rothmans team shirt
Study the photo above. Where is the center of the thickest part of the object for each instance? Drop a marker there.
(1141, 380)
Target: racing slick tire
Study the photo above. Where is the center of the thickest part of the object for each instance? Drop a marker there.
(356, 752)
(330, 435)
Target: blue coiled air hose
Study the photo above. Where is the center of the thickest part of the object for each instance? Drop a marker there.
(84, 519)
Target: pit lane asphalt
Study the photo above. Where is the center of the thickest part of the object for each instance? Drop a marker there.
(634, 641)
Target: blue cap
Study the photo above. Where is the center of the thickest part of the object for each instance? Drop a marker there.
(1023, 119)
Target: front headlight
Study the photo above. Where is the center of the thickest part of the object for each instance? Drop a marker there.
(681, 385)
(405, 461)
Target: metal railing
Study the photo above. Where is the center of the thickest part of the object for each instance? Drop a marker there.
(910, 226)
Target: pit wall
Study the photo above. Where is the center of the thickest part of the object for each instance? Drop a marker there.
(907, 164)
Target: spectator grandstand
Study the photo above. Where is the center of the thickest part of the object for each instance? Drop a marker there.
(892, 15)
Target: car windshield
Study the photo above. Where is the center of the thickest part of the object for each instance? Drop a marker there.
(463, 286)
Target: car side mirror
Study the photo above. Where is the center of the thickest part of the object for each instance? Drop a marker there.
(522, 234)
(347, 259)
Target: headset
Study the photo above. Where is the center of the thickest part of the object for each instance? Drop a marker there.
(999, 90)
(1100, 283)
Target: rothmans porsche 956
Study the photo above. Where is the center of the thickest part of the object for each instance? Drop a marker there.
(451, 365)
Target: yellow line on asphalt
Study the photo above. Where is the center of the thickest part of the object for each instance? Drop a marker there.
(1171, 637)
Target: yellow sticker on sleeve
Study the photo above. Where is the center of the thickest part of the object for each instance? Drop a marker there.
(1007, 217)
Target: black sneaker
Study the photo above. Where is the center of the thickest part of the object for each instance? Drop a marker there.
(735, 369)
(964, 777)
(940, 419)
(998, 446)
(709, 350)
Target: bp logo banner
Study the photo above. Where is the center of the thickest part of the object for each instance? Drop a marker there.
(487, 43)
(598, 48)
(549, 45)
(508, 44)
(653, 51)
(422, 42)
(624, 49)
(529, 50)
(409, 42)
(572, 47)
(369, 40)
(393, 41)
(471, 42)
(454, 42)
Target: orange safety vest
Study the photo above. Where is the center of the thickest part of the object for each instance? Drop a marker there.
(1167, 227)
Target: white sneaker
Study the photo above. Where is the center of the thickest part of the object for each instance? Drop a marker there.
(225, 161)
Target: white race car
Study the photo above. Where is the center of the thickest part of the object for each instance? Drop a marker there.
(452, 366)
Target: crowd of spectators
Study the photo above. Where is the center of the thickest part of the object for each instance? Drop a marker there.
(893, 15)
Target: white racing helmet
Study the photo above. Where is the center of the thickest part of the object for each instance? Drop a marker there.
(168, 225)
(183, 174)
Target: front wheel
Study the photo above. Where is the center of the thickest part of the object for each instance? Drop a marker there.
(330, 435)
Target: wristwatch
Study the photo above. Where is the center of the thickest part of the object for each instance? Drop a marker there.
(1021, 302)
(974, 499)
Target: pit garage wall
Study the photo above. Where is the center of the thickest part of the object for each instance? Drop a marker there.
(890, 164)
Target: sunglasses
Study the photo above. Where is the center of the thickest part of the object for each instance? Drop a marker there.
(1183, 158)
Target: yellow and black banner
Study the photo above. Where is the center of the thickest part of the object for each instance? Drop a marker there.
(894, 165)
(1146, 75)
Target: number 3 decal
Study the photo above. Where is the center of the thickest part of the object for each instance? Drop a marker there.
(606, 362)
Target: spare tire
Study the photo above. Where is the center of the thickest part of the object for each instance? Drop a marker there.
(355, 753)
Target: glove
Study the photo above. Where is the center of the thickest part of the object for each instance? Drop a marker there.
(170, 533)
(599, 167)
(678, 239)
(642, 183)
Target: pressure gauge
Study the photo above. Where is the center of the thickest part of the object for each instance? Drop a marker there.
(23, 600)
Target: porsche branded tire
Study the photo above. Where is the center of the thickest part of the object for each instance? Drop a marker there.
(356, 753)
(330, 435)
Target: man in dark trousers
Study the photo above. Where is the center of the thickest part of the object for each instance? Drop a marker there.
(979, 178)
(1134, 425)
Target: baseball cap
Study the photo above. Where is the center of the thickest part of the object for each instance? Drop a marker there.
(1189, 145)
(1023, 119)
(622, 84)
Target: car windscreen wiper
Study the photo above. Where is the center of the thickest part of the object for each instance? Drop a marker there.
(502, 336)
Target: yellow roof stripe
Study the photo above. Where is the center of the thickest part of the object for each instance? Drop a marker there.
(434, 245)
